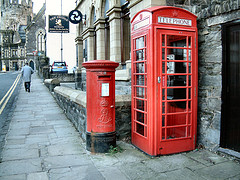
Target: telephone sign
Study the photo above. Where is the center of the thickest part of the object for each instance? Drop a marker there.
(184, 22)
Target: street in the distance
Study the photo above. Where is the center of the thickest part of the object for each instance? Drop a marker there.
(9, 87)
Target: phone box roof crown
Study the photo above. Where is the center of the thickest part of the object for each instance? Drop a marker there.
(165, 16)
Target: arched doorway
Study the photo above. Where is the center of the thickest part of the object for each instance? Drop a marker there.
(32, 64)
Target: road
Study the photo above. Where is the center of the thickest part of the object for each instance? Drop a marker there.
(9, 86)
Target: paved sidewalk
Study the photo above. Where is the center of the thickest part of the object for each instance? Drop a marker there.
(42, 144)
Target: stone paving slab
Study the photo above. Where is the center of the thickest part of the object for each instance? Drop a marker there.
(24, 166)
(14, 177)
(65, 149)
(13, 154)
(76, 173)
(220, 171)
(37, 176)
(206, 157)
(185, 174)
(172, 162)
(64, 161)
(42, 144)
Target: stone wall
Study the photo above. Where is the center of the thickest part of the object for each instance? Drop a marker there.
(212, 14)
(210, 84)
(63, 77)
(73, 102)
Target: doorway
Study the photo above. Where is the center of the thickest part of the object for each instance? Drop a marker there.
(32, 64)
(177, 90)
(230, 124)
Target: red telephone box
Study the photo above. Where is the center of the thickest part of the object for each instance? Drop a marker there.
(164, 80)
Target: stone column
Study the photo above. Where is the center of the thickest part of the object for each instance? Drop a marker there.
(79, 42)
(90, 45)
(115, 33)
(78, 72)
(100, 33)
(89, 35)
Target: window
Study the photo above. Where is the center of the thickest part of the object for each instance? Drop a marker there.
(41, 41)
(14, 53)
(22, 52)
(6, 53)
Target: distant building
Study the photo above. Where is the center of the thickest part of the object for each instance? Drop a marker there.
(15, 15)
(36, 39)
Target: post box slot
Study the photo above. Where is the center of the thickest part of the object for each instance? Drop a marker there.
(104, 78)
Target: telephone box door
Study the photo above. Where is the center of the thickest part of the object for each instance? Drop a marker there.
(177, 83)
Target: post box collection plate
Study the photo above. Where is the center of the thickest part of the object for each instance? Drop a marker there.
(105, 89)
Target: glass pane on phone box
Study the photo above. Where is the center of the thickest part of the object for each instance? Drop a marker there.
(140, 104)
(176, 93)
(140, 43)
(177, 41)
(189, 41)
(189, 67)
(163, 67)
(163, 53)
(178, 132)
(163, 107)
(163, 120)
(163, 94)
(180, 67)
(140, 67)
(140, 117)
(140, 55)
(140, 80)
(140, 129)
(190, 55)
(176, 54)
(140, 92)
(163, 40)
(176, 80)
(189, 80)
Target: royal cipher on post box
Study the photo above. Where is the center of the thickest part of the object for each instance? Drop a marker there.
(101, 132)
(164, 80)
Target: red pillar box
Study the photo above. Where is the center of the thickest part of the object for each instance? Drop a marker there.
(101, 132)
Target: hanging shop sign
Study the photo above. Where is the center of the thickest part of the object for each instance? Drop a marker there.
(75, 16)
(58, 24)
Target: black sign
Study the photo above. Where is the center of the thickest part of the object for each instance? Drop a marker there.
(75, 16)
(58, 24)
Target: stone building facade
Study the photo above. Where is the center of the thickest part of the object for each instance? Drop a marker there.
(104, 33)
(15, 14)
(36, 39)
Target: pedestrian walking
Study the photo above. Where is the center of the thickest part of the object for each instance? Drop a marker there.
(26, 74)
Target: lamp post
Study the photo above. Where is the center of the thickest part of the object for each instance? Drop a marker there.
(61, 39)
